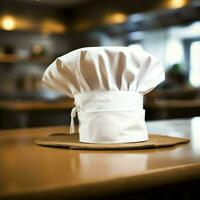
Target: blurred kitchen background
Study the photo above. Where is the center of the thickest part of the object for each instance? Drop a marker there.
(34, 32)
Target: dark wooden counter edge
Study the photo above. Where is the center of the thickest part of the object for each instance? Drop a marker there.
(126, 185)
(36, 105)
(173, 104)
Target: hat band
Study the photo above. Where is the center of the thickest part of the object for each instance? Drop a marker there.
(105, 101)
(97, 110)
(109, 100)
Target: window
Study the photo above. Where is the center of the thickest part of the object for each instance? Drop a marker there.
(194, 76)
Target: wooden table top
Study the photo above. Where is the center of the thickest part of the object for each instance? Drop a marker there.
(28, 170)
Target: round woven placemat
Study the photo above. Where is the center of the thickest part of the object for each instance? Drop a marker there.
(72, 142)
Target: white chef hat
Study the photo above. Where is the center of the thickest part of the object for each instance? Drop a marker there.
(108, 84)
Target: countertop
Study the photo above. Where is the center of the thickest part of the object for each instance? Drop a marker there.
(28, 170)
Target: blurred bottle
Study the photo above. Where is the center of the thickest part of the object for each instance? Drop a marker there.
(37, 50)
(28, 83)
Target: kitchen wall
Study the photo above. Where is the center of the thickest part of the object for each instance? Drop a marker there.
(34, 33)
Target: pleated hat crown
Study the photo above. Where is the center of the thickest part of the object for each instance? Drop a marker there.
(108, 84)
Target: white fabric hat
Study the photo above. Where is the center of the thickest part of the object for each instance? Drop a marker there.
(108, 84)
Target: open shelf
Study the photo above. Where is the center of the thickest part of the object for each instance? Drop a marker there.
(11, 58)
